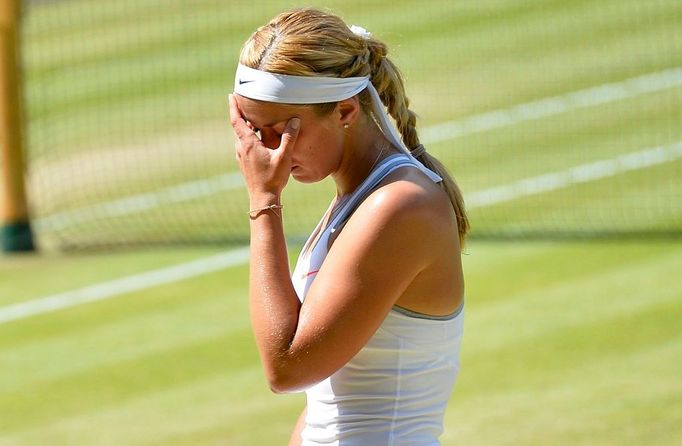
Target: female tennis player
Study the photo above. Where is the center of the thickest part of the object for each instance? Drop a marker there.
(370, 322)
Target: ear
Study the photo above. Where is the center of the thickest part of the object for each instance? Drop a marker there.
(348, 111)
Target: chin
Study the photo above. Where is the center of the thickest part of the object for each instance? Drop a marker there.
(305, 180)
(303, 177)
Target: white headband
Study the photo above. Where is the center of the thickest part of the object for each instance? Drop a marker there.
(287, 89)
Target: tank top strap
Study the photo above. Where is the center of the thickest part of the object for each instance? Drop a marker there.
(315, 249)
(380, 171)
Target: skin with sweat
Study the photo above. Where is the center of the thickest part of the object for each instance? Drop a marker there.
(396, 248)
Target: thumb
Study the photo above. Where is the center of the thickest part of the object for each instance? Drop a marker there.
(290, 134)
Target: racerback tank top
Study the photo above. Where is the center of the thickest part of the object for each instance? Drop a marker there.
(394, 391)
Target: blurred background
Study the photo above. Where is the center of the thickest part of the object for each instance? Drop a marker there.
(560, 120)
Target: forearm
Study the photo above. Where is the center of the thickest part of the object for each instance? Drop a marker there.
(273, 301)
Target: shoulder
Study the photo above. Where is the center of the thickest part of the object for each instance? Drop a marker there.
(406, 208)
(408, 196)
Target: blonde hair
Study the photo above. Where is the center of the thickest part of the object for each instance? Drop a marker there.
(310, 42)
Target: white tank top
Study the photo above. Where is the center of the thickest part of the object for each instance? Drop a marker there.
(394, 391)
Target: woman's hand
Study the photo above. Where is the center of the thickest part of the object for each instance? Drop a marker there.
(266, 171)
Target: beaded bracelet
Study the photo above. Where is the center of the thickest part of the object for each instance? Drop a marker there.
(253, 213)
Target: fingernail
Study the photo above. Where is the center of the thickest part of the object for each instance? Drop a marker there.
(295, 123)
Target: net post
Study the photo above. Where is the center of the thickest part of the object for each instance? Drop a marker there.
(15, 227)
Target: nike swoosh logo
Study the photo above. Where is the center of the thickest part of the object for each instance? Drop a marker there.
(310, 274)
(245, 82)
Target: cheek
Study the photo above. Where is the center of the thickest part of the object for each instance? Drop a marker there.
(311, 161)
(307, 155)
(306, 147)
(318, 144)
(317, 153)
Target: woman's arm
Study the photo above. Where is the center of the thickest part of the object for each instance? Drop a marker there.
(389, 239)
(273, 301)
(381, 249)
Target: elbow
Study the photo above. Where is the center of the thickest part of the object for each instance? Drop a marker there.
(283, 382)
(279, 389)
(286, 378)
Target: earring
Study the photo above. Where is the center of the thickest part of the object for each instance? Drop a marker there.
(346, 125)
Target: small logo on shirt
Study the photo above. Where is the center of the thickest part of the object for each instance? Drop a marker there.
(308, 274)
(241, 82)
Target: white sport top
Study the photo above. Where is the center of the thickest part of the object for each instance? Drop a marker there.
(394, 391)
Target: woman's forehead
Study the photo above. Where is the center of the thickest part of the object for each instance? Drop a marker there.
(267, 114)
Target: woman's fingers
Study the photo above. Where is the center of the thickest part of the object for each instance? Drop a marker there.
(241, 129)
(290, 134)
(264, 169)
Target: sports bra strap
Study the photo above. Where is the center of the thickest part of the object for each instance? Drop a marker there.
(381, 171)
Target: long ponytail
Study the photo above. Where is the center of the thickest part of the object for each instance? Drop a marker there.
(388, 81)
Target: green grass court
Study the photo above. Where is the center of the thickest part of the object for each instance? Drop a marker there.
(566, 342)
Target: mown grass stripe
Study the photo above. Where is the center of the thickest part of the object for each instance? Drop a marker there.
(108, 289)
(578, 174)
(554, 105)
(529, 186)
